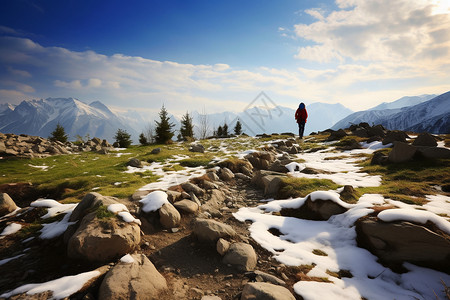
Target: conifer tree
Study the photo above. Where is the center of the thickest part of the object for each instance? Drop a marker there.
(187, 129)
(225, 132)
(219, 131)
(59, 134)
(123, 138)
(142, 139)
(163, 129)
(238, 128)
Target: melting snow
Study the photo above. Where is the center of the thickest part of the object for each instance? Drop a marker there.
(61, 287)
(154, 201)
(336, 237)
(52, 230)
(128, 259)
(11, 229)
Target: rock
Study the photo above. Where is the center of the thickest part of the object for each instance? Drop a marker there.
(136, 280)
(194, 199)
(173, 196)
(257, 179)
(191, 187)
(101, 240)
(169, 216)
(138, 195)
(395, 136)
(360, 132)
(212, 176)
(434, 152)
(211, 230)
(349, 194)
(320, 209)
(211, 298)
(90, 202)
(226, 174)
(215, 201)
(197, 148)
(265, 291)
(242, 256)
(265, 277)
(379, 158)
(397, 242)
(134, 162)
(376, 131)
(7, 205)
(336, 135)
(208, 185)
(156, 151)
(242, 176)
(187, 206)
(425, 139)
(222, 246)
(272, 184)
(401, 152)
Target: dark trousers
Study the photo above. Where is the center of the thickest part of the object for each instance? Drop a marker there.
(301, 129)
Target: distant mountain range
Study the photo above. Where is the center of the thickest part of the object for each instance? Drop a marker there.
(40, 117)
(428, 113)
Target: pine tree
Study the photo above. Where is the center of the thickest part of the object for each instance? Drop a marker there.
(163, 129)
(59, 134)
(220, 131)
(238, 128)
(123, 138)
(225, 130)
(142, 139)
(187, 129)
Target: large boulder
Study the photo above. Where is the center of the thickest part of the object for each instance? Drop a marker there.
(211, 230)
(272, 184)
(242, 256)
(103, 239)
(425, 139)
(434, 152)
(395, 136)
(89, 203)
(7, 205)
(265, 291)
(336, 135)
(187, 206)
(135, 278)
(197, 148)
(397, 242)
(401, 152)
(134, 162)
(319, 209)
(169, 216)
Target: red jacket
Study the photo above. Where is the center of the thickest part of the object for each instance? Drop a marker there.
(301, 115)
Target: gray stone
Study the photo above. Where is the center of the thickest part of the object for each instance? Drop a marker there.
(211, 230)
(191, 187)
(272, 184)
(134, 162)
(434, 152)
(320, 209)
(222, 246)
(197, 148)
(156, 151)
(89, 203)
(395, 136)
(265, 291)
(137, 280)
(242, 256)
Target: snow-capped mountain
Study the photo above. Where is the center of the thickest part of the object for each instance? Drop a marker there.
(40, 117)
(404, 102)
(431, 116)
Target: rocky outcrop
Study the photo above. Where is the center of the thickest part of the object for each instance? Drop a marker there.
(401, 152)
(397, 242)
(264, 290)
(27, 146)
(135, 278)
(7, 205)
(425, 139)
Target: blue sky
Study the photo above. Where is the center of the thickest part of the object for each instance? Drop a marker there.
(219, 55)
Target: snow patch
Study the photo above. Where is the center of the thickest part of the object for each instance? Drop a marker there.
(11, 229)
(127, 259)
(154, 201)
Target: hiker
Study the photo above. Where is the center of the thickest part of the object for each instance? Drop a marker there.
(300, 116)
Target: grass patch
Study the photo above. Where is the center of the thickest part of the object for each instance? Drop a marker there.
(173, 168)
(195, 162)
(104, 213)
(29, 230)
(319, 252)
(300, 187)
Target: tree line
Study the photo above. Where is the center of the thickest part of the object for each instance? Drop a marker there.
(163, 132)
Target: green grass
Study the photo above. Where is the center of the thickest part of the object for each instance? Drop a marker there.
(301, 187)
(104, 213)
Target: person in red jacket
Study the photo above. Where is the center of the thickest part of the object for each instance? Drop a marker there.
(300, 116)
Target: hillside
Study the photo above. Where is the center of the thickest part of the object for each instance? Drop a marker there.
(429, 116)
(202, 222)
